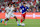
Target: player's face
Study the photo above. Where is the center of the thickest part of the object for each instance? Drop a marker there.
(10, 5)
(24, 5)
(14, 5)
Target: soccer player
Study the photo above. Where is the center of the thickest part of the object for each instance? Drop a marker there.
(9, 12)
(12, 11)
(24, 8)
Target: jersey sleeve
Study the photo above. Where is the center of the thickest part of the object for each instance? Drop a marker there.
(27, 7)
(21, 7)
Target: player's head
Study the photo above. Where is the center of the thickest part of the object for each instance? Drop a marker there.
(24, 4)
(9, 4)
(14, 4)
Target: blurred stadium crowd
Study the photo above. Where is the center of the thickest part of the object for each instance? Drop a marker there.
(34, 5)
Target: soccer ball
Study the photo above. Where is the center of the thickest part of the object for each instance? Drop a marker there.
(23, 24)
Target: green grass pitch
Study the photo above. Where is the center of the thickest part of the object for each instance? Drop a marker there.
(28, 23)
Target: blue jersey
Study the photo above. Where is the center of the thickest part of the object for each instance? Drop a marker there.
(24, 9)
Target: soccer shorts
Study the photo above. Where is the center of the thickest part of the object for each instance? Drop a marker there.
(23, 15)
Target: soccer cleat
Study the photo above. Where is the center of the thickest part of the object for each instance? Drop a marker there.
(1, 21)
(5, 24)
(18, 25)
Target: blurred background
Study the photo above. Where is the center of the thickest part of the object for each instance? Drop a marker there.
(34, 5)
(32, 18)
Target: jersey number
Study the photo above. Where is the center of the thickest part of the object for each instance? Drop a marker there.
(22, 8)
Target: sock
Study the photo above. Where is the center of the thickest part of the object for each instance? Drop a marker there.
(21, 21)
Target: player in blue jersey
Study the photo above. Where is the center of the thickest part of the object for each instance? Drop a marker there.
(24, 9)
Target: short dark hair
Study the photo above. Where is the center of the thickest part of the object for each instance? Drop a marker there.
(24, 3)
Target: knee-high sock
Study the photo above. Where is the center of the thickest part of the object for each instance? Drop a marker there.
(21, 21)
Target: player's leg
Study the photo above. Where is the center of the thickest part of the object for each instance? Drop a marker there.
(23, 18)
(7, 18)
(6, 21)
(16, 19)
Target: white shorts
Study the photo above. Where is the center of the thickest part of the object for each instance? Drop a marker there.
(9, 15)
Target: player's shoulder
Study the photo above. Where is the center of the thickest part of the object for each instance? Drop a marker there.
(21, 6)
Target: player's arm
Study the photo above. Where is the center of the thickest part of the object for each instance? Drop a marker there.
(20, 7)
(14, 9)
(27, 8)
(5, 9)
